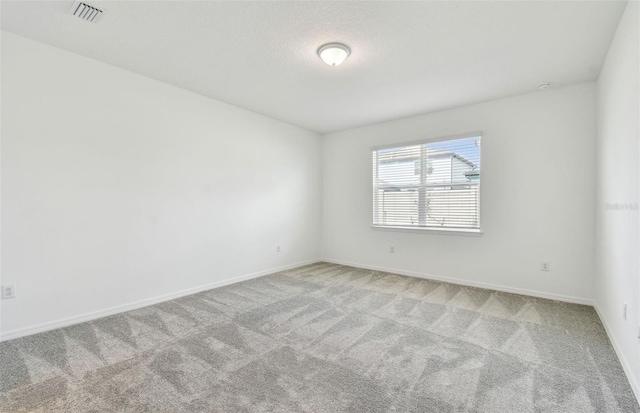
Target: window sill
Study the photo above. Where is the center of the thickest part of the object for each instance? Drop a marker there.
(437, 231)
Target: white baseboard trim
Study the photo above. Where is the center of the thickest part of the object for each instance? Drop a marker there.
(459, 281)
(52, 325)
(623, 360)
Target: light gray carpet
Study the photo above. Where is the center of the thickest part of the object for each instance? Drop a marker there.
(324, 338)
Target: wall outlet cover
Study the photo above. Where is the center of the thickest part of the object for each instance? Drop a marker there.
(8, 291)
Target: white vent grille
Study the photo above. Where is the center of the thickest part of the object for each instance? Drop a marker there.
(86, 11)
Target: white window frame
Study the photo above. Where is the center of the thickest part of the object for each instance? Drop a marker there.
(428, 229)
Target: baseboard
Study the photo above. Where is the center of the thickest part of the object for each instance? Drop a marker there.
(459, 281)
(623, 360)
(52, 325)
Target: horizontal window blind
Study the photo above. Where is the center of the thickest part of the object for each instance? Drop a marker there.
(429, 185)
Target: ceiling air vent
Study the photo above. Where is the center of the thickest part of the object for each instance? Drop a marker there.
(86, 11)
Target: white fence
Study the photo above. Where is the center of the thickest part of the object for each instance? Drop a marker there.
(457, 207)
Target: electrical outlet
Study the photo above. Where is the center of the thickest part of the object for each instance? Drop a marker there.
(278, 248)
(8, 291)
(545, 266)
(624, 311)
(392, 250)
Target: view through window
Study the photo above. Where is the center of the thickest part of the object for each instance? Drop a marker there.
(434, 184)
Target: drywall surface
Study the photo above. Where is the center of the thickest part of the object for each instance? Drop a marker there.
(118, 189)
(537, 196)
(618, 227)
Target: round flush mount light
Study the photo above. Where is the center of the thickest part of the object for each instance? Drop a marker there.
(544, 86)
(333, 53)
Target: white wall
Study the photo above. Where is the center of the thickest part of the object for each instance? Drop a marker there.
(618, 247)
(537, 199)
(117, 188)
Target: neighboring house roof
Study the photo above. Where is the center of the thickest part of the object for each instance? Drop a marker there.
(465, 160)
(413, 156)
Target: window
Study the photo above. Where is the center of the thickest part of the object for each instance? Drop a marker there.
(429, 185)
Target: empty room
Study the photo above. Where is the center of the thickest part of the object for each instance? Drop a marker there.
(320, 206)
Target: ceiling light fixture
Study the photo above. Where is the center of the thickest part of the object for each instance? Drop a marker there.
(333, 53)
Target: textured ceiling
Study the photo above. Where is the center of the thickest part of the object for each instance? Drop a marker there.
(407, 57)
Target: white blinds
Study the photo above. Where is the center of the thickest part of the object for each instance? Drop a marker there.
(429, 185)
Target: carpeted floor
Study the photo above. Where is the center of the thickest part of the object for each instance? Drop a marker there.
(324, 338)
